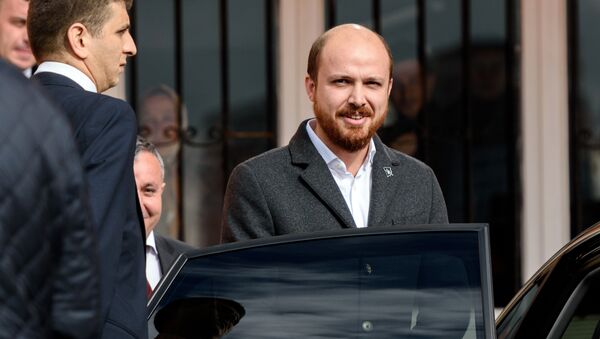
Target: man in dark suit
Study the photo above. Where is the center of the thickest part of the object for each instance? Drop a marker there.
(49, 270)
(82, 47)
(335, 173)
(161, 252)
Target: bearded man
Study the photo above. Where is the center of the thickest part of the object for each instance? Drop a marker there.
(335, 173)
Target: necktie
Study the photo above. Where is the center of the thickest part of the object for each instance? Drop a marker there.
(148, 289)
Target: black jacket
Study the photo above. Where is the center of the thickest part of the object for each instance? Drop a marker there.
(48, 263)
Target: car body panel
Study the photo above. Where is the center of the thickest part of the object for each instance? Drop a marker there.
(548, 303)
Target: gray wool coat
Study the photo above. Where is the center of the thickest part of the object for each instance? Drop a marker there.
(291, 190)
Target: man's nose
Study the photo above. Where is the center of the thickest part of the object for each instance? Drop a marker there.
(129, 48)
(25, 36)
(357, 96)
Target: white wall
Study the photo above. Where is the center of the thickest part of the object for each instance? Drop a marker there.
(300, 23)
(545, 143)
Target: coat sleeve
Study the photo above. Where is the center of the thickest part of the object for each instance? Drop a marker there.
(75, 289)
(246, 212)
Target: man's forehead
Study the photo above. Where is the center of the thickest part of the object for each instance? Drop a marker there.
(351, 36)
(14, 7)
(344, 46)
(117, 13)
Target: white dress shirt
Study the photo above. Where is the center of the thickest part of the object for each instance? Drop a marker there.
(70, 72)
(27, 72)
(153, 271)
(355, 189)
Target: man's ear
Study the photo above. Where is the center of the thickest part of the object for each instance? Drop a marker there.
(311, 87)
(78, 38)
(390, 87)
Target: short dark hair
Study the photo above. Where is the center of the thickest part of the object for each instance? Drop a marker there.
(49, 20)
(315, 51)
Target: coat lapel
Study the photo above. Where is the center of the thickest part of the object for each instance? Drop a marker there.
(383, 182)
(166, 253)
(317, 176)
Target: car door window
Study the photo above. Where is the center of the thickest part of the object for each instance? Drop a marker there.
(389, 285)
(584, 321)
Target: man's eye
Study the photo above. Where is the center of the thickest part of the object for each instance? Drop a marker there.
(340, 81)
(19, 23)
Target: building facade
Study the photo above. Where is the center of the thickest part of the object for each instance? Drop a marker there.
(498, 96)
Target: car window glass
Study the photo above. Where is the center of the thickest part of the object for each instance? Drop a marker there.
(508, 327)
(585, 321)
(425, 285)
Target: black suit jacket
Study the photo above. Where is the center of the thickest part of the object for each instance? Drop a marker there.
(168, 250)
(49, 268)
(105, 130)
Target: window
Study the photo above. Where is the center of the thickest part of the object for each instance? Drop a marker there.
(584, 80)
(583, 311)
(203, 87)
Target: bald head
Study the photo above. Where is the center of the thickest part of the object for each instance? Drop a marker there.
(344, 34)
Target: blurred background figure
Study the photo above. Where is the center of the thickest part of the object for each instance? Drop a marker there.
(409, 98)
(161, 252)
(14, 43)
(161, 119)
(49, 267)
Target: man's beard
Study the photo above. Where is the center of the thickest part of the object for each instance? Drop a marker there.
(349, 138)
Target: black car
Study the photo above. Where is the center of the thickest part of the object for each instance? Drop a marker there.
(408, 282)
(562, 300)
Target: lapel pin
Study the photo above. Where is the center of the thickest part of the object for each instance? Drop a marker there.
(388, 172)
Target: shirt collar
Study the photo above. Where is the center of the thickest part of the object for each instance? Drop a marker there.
(70, 72)
(323, 150)
(327, 154)
(150, 241)
(27, 72)
(372, 151)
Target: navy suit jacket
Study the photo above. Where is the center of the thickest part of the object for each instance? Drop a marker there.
(105, 130)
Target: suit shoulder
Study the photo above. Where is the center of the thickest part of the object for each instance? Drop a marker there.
(111, 104)
(108, 109)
